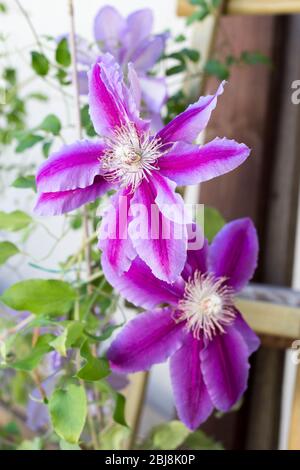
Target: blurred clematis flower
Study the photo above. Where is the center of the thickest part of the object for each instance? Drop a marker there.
(144, 169)
(200, 331)
(130, 41)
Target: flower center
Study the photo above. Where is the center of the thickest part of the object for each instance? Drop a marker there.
(207, 305)
(130, 157)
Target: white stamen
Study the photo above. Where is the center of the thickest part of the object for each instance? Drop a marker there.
(207, 305)
(130, 157)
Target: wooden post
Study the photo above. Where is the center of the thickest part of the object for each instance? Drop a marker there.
(248, 7)
(294, 437)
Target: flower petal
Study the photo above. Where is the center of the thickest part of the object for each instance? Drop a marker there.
(73, 166)
(168, 201)
(150, 338)
(139, 26)
(192, 400)
(83, 82)
(225, 368)
(106, 96)
(196, 258)
(234, 251)
(114, 241)
(189, 164)
(162, 244)
(187, 126)
(60, 202)
(139, 286)
(148, 52)
(250, 338)
(108, 28)
(154, 91)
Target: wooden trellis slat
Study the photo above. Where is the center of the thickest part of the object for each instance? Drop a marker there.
(248, 7)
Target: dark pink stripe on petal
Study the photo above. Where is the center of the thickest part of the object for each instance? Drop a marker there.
(73, 166)
(159, 242)
(225, 368)
(189, 164)
(150, 338)
(114, 240)
(105, 97)
(187, 126)
(65, 201)
(191, 396)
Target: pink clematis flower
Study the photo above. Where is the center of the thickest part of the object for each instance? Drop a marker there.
(144, 169)
(200, 330)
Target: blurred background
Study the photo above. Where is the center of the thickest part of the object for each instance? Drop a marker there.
(257, 109)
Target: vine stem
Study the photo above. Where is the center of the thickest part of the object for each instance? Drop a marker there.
(85, 212)
(79, 128)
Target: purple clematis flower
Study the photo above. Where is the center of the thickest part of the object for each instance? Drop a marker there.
(130, 41)
(143, 168)
(200, 331)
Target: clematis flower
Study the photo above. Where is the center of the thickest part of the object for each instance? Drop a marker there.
(144, 169)
(200, 330)
(129, 40)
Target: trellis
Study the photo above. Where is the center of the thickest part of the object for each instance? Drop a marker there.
(276, 322)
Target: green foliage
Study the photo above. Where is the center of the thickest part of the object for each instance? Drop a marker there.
(3, 7)
(119, 413)
(94, 368)
(40, 296)
(32, 360)
(72, 332)
(114, 437)
(7, 250)
(27, 141)
(25, 182)
(255, 58)
(68, 409)
(14, 221)
(51, 124)
(35, 444)
(62, 53)
(213, 222)
(86, 121)
(169, 436)
(198, 440)
(40, 63)
(217, 68)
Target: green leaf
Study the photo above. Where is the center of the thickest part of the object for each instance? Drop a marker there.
(170, 435)
(39, 63)
(28, 141)
(51, 124)
(46, 149)
(119, 412)
(106, 333)
(254, 58)
(38, 96)
(200, 441)
(62, 53)
(114, 437)
(7, 250)
(180, 38)
(95, 368)
(213, 222)
(217, 68)
(10, 75)
(68, 410)
(3, 8)
(40, 296)
(32, 360)
(14, 221)
(70, 335)
(176, 69)
(192, 54)
(25, 182)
